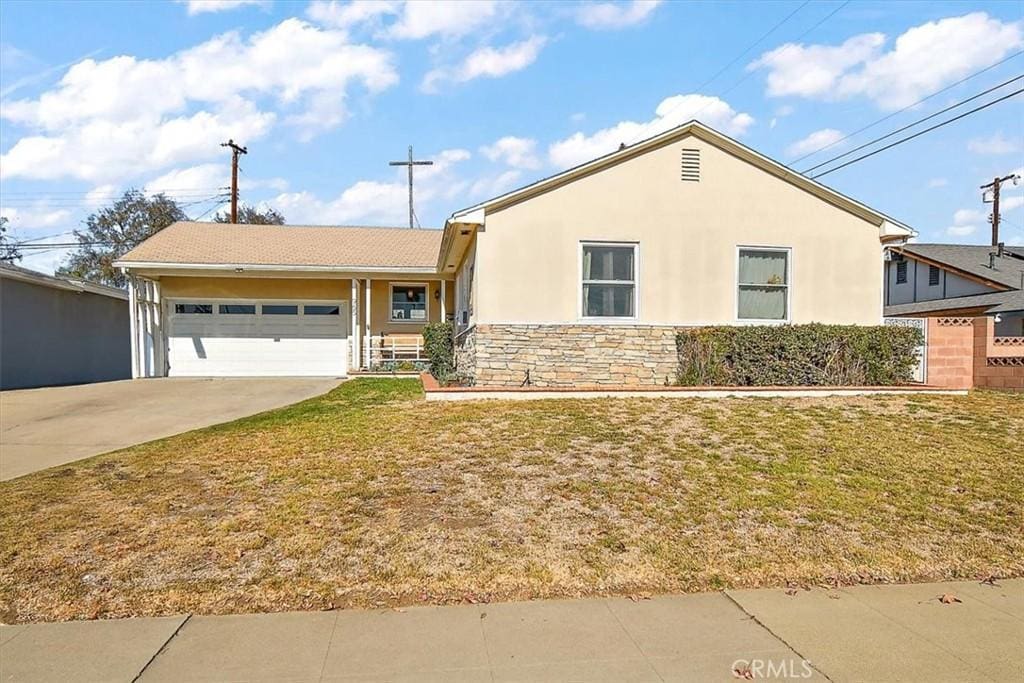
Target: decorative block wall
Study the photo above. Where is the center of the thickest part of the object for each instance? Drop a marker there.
(997, 365)
(569, 355)
(951, 352)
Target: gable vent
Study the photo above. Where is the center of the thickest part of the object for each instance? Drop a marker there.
(690, 165)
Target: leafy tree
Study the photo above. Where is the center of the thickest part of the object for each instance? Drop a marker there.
(112, 232)
(252, 216)
(8, 249)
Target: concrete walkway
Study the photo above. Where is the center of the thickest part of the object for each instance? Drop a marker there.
(42, 428)
(889, 633)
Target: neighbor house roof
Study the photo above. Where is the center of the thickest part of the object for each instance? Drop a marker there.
(292, 246)
(974, 260)
(14, 272)
(971, 260)
(993, 302)
(889, 228)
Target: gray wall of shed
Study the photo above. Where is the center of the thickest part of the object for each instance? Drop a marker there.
(50, 336)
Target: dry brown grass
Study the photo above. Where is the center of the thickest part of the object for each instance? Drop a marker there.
(372, 496)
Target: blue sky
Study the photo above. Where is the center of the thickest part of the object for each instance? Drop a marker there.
(99, 97)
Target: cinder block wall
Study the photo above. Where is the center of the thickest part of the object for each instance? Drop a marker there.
(996, 368)
(951, 352)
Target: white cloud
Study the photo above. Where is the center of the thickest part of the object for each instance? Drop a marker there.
(1010, 203)
(202, 6)
(672, 112)
(615, 15)
(812, 70)
(578, 117)
(487, 62)
(103, 121)
(497, 185)
(965, 222)
(348, 14)
(445, 18)
(208, 178)
(995, 144)
(33, 217)
(961, 230)
(814, 142)
(374, 202)
(922, 59)
(513, 151)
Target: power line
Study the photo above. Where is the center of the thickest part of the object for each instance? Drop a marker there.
(751, 46)
(783, 50)
(910, 106)
(920, 133)
(914, 123)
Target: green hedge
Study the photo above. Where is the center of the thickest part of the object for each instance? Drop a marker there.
(797, 355)
(439, 345)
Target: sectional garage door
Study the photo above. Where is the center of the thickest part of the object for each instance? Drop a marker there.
(244, 338)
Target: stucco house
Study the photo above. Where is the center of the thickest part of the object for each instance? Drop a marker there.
(579, 278)
(55, 330)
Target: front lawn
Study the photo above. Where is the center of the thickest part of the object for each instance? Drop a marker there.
(372, 496)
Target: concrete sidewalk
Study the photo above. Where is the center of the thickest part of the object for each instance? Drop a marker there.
(862, 633)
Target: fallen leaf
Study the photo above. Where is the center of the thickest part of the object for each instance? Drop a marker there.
(790, 591)
(948, 599)
(745, 673)
(483, 615)
(637, 597)
(990, 580)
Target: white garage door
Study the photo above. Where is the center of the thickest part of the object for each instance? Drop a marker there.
(257, 338)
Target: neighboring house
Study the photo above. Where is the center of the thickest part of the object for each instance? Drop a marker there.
(958, 279)
(969, 300)
(580, 278)
(58, 331)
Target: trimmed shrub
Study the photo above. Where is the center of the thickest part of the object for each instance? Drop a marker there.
(439, 345)
(797, 355)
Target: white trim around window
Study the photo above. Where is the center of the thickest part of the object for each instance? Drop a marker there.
(788, 251)
(426, 302)
(580, 283)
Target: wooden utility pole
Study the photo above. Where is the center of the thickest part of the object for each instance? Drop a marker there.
(994, 186)
(410, 163)
(236, 151)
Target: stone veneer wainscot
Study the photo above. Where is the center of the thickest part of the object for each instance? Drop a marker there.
(568, 355)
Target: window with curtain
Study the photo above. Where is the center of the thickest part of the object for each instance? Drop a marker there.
(609, 281)
(763, 284)
(408, 303)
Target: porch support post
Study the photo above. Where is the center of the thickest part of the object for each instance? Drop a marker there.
(444, 301)
(133, 325)
(368, 330)
(354, 305)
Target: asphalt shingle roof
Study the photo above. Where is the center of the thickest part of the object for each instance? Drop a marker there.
(289, 245)
(974, 259)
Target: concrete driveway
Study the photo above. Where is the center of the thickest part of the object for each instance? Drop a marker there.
(41, 428)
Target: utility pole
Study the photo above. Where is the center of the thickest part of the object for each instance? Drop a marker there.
(995, 186)
(410, 163)
(236, 151)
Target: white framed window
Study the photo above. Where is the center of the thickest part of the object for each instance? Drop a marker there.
(763, 284)
(608, 280)
(409, 302)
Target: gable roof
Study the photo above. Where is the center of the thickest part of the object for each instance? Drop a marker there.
(9, 270)
(888, 226)
(307, 246)
(973, 260)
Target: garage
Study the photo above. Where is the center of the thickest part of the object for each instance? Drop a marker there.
(251, 338)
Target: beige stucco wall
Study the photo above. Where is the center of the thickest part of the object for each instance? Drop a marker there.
(380, 306)
(688, 232)
(255, 288)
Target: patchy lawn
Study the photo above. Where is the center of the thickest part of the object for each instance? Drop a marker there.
(372, 496)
